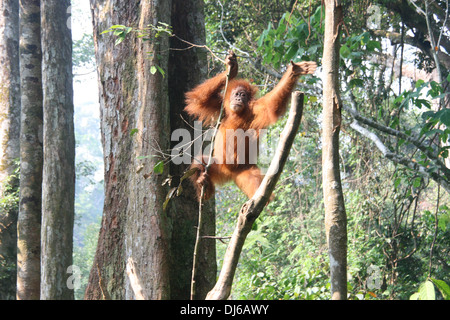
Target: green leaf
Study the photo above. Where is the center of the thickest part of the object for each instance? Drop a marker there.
(153, 69)
(443, 221)
(179, 190)
(397, 182)
(262, 38)
(161, 71)
(443, 288)
(372, 45)
(428, 114)
(415, 296)
(118, 26)
(394, 123)
(426, 291)
(277, 43)
(419, 102)
(133, 132)
(114, 27)
(145, 157)
(445, 117)
(291, 53)
(189, 173)
(356, 83)
(119, 40)
(417, 182)
(168, 197)
(159, 167)
(433, 132)
(419, 83)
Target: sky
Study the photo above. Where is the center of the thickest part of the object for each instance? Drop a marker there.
(86, 98)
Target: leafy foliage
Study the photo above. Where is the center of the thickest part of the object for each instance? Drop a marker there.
(294, 39)
(10, 188)
(392, 224)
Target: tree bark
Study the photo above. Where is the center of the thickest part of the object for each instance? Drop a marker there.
(335, 215)
(58, 183)
(187, 68)
(147, 228)
(9, 140)
(31, 153)
(134, 224)
(252, 208)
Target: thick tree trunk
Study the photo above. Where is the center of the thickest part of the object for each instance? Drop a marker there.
(335, 216)
(147, 227)
(134, 224)
(9, 140)
(31, 153)
(188, 68)
(59, 151)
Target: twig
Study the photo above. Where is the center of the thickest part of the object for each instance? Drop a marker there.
(200, 205)
(193, 45)
(223, 35)
(430, 35)
(217, 238)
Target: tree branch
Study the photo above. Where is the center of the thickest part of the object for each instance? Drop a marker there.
(253, 207)
(399, 159)
(433, 156)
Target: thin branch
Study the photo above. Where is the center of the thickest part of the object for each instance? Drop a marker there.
(200, 205)
(434, 48)
(217, 238)
(223, 35)
(193, 45)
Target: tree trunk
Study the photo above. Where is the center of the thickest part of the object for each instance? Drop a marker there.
(31, 153)
(188, 68)
(9, 142)
(335, 216)
(58, 183)
(134, 224)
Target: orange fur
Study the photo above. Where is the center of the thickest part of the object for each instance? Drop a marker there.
(204, 103)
